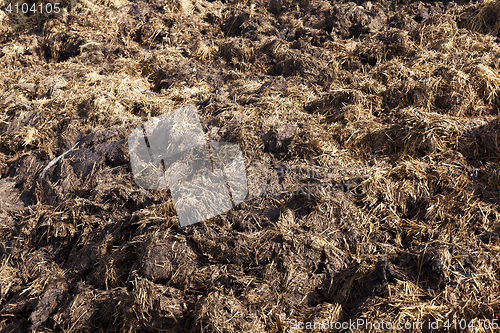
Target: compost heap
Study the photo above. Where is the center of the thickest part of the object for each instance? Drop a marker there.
(370, 135)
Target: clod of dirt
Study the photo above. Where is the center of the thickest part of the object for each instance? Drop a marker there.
(277, 140)
(9, 197)
(384, 272)
(169, 261)
(48, 303)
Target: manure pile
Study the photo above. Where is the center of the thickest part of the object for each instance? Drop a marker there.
(370, 136)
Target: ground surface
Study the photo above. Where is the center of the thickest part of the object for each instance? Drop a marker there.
(370, 134)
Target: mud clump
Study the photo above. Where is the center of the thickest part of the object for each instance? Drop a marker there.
(370, 138)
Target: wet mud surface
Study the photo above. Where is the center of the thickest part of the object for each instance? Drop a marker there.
(370, 135)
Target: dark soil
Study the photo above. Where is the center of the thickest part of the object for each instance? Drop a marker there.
(370, 133)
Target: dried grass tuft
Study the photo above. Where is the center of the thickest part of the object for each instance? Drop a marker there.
(486, 21)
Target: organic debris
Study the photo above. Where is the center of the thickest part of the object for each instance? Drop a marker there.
(370, 135)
